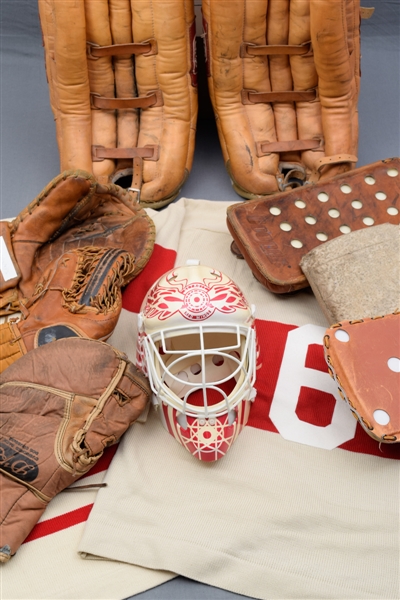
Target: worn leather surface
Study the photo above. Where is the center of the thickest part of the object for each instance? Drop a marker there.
(356, 275)
(79, 294)
(284, 83)
(74, 211)
(62, 405)
(362, 372)
(100, 87)
(369, 194)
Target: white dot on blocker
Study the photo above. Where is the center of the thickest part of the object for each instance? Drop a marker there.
(341, 335)
(381, 416)
(394, 364)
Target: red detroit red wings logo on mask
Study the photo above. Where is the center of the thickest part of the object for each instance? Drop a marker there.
(195, 301)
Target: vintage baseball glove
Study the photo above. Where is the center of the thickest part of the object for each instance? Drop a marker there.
(284, 83)
(62, 405)
(363, 358)
(72, 250)
(123, 89)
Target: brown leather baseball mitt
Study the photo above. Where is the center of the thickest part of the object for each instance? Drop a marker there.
(284, 83)
(61, 406)
(72, 250)
(123, 89)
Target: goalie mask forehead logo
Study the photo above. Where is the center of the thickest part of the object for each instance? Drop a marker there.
(194, 298)
(197, 345)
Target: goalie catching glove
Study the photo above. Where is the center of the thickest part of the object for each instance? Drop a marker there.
(62, 405)
(72, 250)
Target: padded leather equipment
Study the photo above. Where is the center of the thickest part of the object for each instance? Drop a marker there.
(274, 234)
(363, 358)
(284, 80)
(123, 89)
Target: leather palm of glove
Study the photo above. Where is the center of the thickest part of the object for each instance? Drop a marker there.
(79, 294)
(62, 405)
(284, 84)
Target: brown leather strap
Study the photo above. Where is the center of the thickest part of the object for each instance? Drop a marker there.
(137, 177)
(95, 51)
(151, 99)
(337, 159)
(252, 97)
(100, 153)
(288, 146)
(248, 49)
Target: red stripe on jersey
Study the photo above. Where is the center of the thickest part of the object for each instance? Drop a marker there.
(58, 523)
(161, 261)
(314, 406)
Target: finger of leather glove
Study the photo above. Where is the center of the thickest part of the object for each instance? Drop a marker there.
(45, 217)
(171, 126)
(125, 405)
(228, 24)
(334, 30)
(113, 221)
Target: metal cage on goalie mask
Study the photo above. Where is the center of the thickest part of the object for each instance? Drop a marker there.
(197, 345)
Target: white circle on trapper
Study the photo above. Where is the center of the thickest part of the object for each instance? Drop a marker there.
(310, 220)
(368, 221)
(381, 416)
(323, 197)
(380, 196)
(357, 204)
(274, 210)
(321, 236)
(300, 204)
(296, 243)
(346, 189)
(334, 213)
(393, 211)
(394, 364)
(285, 226)
(341, 335)
(344, 229)
(369, 180)
(392, 172)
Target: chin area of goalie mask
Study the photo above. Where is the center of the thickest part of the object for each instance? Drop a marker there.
(197, 344)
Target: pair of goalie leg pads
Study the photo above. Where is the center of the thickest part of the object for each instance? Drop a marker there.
(283, 78)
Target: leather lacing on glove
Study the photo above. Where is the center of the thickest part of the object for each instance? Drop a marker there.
(93, 261)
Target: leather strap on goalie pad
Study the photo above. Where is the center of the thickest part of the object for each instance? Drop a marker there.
(274, 234)
(363, 358)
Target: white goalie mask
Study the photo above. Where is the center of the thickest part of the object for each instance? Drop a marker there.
(197, 345)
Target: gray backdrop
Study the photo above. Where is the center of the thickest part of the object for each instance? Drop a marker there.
(29, 155)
